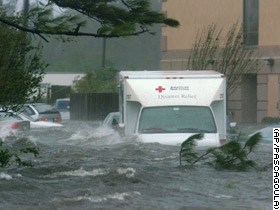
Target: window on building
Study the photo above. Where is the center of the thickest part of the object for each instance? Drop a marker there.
(251, 22)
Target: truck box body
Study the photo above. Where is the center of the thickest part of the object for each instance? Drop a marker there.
(169, 106)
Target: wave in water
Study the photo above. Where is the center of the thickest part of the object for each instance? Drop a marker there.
(128, 172)
(5, 176)
(97, 199)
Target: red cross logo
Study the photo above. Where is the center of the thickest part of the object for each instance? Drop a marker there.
(160, 89)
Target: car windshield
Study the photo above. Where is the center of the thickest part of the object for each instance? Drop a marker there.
(26, 117)
(177, 119)
(45, 108)
(111, 118)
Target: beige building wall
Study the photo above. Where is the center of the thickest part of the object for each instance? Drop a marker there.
(269, 23)
(194, 15)
(272, 94)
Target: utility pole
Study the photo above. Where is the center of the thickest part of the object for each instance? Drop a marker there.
(104, 53)
(25, 6)
(25, 10)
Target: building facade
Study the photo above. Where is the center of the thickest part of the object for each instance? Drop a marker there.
(259, 94)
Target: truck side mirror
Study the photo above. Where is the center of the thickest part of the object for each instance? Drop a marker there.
(233, 124)
(121, 125)
(233, 127)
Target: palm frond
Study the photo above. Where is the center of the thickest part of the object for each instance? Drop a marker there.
(253, 141)
(187, 148)
(191, 139)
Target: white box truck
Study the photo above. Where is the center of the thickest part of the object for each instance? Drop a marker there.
(169, 106)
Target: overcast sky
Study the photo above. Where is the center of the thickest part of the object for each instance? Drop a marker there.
(19, 4)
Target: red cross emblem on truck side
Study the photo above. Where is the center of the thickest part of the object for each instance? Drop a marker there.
(160, 89)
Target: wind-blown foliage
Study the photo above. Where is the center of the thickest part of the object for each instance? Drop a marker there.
(187, 152)
(10, 155)
(226, 54)
(21, 68)
(102, 80)
(116, 18)
(235, 156)
(231, 156)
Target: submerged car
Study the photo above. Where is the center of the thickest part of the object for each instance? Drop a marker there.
(10, 121)
(63, 106)
(112, 120)
(266, 132)
(42, 112)
(38, 124)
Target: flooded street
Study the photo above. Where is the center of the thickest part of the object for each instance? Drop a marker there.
(82, 166)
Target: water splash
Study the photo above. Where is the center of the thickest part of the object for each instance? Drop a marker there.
(96, 136)
(6, 132)
(128, 172)
(80, 173)
(5, 176)
(91, 132)
(98, 199)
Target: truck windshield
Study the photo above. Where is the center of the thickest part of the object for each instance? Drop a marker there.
(177, 119)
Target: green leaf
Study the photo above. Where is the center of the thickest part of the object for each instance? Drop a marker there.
(187, 148)
(5, 158)
(253, 141)
(33, 150)
(171, 22)
(231, 148)
(104, 30)
(191, 139)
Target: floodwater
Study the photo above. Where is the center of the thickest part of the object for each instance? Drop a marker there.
(83, 166)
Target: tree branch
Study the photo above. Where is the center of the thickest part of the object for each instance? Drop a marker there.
(67, 32)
